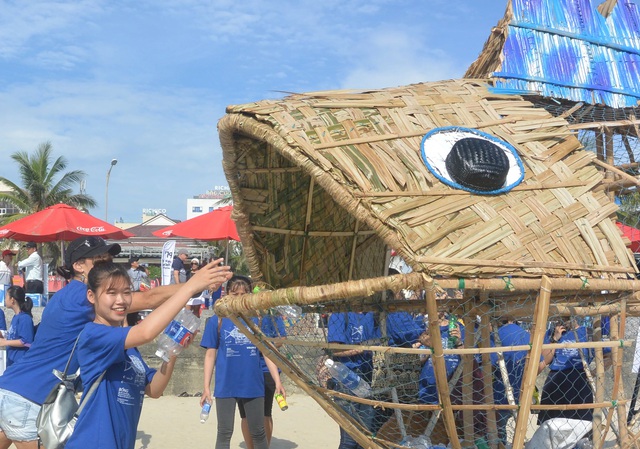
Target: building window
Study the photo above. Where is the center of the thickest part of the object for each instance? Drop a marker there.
(196, 209)
(211, 209)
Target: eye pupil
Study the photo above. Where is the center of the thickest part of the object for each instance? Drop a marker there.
(477, 164)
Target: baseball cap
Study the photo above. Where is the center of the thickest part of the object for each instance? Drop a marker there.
(86, 247)
(8, 252)
(133, 259)
(30, 245)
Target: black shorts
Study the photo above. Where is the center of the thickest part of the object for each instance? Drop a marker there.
(269, 392)
(34, 286)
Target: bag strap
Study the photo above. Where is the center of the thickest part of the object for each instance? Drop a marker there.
(63, 375)
(87, 396)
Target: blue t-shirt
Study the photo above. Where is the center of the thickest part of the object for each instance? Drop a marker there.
(21, 329)
(3, 321)
(353, 329)
(65, 316)
(403, 328)
(428, 392)
(568, 358)
(272, 326)
(510, 335)
(111, 415)
(237, 368)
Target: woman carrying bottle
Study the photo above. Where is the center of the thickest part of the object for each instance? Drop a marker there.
(112, 413)
(19, 337)
(26, 383)
(238, 375)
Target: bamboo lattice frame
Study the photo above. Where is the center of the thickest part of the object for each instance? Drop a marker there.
(324, 184)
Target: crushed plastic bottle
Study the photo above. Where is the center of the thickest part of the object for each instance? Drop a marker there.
(174, 338)
(584, 443)
(340, 372)
(292, 312)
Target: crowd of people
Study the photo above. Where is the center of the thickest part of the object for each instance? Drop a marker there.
(567, 381)
(91, 313)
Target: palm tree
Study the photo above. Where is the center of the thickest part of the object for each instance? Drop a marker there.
(44, 183)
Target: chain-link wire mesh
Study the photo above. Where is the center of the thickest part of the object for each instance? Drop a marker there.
(569, 365)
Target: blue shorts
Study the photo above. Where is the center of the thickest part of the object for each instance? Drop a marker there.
(18, 417)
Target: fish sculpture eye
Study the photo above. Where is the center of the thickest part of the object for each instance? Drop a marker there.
(468, 159)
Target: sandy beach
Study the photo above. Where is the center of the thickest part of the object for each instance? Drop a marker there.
(173, 422)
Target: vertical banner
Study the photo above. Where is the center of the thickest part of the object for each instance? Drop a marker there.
(168, 250)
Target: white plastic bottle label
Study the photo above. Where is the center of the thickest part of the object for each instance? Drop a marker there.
(178, 333)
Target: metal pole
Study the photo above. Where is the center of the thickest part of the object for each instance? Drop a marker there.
(106, 191)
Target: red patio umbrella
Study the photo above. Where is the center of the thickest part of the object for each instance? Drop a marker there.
(60, 222)
(214, 225)
(632, 234)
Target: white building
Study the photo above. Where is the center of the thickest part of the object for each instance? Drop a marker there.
(209, 201)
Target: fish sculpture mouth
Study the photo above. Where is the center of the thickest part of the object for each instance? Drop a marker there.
(470, 160)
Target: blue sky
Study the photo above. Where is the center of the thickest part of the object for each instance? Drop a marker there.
(146, 82)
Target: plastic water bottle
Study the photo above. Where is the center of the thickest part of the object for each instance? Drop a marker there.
(293, 312)
(348, 378)
(204, 414)
(584, 443)
(453, 325)
(174, 338)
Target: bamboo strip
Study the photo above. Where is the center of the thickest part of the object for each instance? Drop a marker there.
(611, 168)
(600, 125)
(456, 407)
(531, 364)
(307, 222)
(487, 371)
(505, 264)
(460, 351)
(439, 367)
(467, 379)
(310, 233)
(598, 385)
(441, 192)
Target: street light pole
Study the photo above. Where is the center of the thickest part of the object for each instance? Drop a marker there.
(106, 194)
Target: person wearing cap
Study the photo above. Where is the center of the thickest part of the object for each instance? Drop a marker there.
(196, 302)
(27, 382)
(6, 272)
(178, 269)
(33, 269)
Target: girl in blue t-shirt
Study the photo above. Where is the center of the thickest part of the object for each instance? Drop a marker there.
(239, 378)
(112, 413)
(19, 337)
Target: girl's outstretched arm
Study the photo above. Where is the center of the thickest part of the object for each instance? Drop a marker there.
(157, 321)
(161, 379)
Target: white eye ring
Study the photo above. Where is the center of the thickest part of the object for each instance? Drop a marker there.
(438, 143)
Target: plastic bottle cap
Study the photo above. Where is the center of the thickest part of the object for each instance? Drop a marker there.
(328, 363)
(162, 354)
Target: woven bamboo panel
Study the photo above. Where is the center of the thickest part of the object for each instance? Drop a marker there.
(324, 182)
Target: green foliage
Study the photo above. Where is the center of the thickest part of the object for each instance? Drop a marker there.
(155, 272)
(43, 182)
(629, 212)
